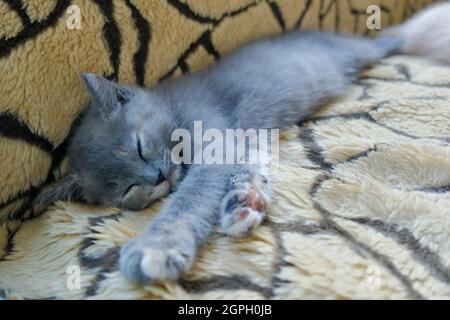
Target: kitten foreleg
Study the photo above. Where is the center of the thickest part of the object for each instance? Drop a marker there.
(169, 244)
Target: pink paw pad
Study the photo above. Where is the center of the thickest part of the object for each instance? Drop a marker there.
(243, 208)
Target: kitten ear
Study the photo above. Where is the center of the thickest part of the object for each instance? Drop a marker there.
(108, 95)
(67, 189)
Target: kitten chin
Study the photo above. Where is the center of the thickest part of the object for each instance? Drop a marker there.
(161, 190)
(427, 34)
(164, 188)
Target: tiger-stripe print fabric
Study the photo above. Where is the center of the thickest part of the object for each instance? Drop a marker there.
(143, 42)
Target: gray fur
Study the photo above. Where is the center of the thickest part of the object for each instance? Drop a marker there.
(271, 83)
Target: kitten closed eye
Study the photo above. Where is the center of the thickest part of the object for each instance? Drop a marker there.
(129, 188)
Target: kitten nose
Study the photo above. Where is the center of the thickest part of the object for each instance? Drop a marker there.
(161, 177)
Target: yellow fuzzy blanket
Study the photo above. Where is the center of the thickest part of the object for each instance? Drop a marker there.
(362, 197)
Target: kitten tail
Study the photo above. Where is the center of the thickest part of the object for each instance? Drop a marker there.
(426, 34)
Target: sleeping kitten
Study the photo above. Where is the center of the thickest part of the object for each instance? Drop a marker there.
(121, 153)
(427, 33)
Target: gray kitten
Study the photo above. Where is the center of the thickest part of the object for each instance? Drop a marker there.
(120, 154)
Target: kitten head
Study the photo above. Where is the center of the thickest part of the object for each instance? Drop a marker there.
(120, 154)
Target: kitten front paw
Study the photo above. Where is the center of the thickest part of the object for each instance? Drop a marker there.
(146, 262)
(243, 208)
